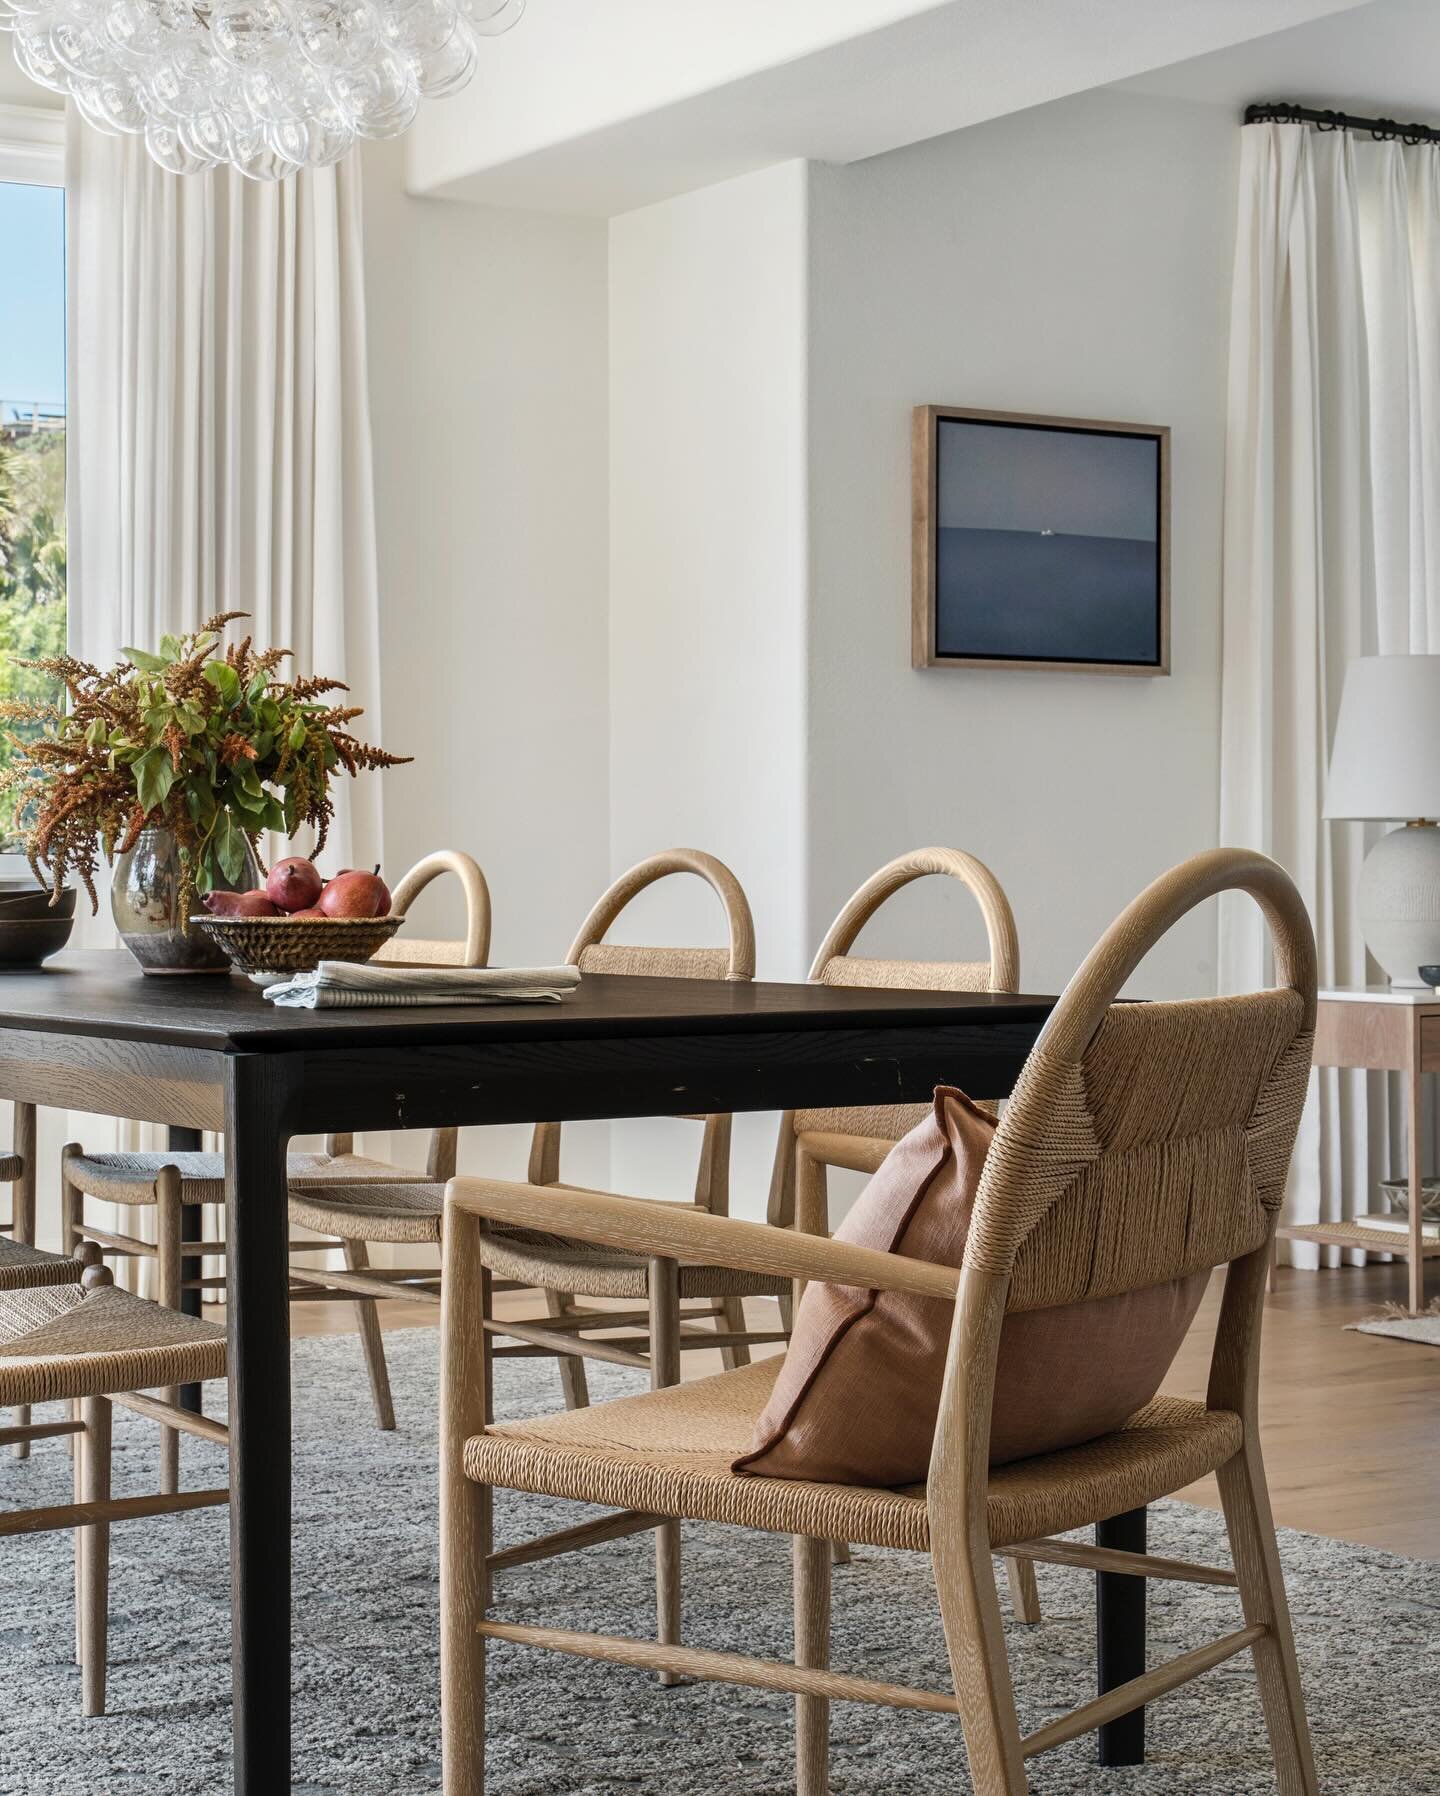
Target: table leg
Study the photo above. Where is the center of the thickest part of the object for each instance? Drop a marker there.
(1417, 1195)
(1120, 1630)
(192, 1224)
(257, 1110)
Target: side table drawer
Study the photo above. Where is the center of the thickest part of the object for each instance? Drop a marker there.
(1430, 1044)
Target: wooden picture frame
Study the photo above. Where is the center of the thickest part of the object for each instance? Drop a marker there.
(929, 645)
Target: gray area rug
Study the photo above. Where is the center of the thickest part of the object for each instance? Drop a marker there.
(366, 1654)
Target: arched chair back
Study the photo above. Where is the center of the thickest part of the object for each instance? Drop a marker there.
(1142, 1143)
(835, 964)
(470, 950)
(593, 954)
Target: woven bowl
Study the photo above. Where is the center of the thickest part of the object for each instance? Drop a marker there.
(293, 944)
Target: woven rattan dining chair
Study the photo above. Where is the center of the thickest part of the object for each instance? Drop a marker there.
(859, 1138)
(67, 1336)
(576, 1276)
(1142, 1143)
(17, 1170)
(169, 1183)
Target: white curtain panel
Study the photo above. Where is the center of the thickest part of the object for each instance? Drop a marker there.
(219, 434)
(1332, 550)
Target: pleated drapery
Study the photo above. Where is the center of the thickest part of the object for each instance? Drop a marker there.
(219, 433)
(1331, 550)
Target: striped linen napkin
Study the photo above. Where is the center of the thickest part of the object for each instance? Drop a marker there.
(341, 984)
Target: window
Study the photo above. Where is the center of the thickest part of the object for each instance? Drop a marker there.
(32, 423)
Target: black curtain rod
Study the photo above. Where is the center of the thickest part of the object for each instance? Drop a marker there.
(1383, 130)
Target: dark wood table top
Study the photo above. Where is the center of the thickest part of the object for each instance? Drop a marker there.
(104, 993)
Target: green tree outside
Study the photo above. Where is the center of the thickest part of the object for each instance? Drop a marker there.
(32, 572)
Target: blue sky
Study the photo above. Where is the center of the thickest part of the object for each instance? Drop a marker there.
(32, 293)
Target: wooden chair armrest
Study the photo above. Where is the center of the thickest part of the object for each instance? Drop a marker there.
(858, 1153)
(661, 1231)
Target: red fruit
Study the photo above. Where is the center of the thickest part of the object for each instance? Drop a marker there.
(294, 884)
(238, 904)
(307, 916)
(354, 894)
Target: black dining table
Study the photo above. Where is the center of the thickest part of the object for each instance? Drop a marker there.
(89, 1032)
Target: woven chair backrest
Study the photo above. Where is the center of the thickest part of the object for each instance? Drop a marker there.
(834, 964)
(1147, 1141)
(593, 954)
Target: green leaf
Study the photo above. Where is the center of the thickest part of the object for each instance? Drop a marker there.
(146, 663)
(223, 677)
(274, 816)
(200, 799)
(171, 648)
(297, 733)
(154, 776)
(229, 845)
(256, 689)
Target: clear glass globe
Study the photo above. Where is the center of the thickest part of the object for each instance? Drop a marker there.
(250, 34)
(164, 144)
(419, 27)
(338, 34)
(447, 69)
(382, 98)
(492, 17)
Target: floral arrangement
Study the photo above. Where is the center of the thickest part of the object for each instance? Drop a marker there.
(210, 745)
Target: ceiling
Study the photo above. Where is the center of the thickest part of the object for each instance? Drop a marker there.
(598, 109)
(1381, 59)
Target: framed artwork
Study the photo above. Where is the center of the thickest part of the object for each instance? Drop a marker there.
(1039, 542)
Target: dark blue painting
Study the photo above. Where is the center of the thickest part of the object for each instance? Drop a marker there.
(1048, 543)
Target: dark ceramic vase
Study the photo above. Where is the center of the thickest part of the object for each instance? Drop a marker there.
(145, 903)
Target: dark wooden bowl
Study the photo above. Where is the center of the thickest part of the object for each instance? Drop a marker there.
(32, 929)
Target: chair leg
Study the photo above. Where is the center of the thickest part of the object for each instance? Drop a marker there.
(572, 1368)
(1246, 1501)
(93, 1548)
(811, 1562)
(664, 1298)
(975, 1638)
(1024, 1591)
(168, 1231)
(730, 1316)
(367, 1314)
(466, 1512)
(22, 1216)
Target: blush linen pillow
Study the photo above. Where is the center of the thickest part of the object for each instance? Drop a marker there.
(858, 1394)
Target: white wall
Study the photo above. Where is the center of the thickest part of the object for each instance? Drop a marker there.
(1072, 260)
(707, 582)
(487, 334)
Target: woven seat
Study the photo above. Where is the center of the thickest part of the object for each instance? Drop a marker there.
(62, 1342)
(669, 1452)
(22, 1266)
(11, 1166)
(392, 1212)
(85, 1345)
(549, 1261)
(131, 1178)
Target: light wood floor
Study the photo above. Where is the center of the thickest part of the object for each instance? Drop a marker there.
(1351, 1422)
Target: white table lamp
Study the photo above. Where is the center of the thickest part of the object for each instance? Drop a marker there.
(1385, 766)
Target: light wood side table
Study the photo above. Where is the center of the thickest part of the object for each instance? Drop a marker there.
(1382, 1028)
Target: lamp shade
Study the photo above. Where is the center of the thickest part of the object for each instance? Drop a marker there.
(1385, 763)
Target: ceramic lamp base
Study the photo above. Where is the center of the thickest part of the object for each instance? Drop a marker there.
(1398, 902)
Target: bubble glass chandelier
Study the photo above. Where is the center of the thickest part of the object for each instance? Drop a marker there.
(268, 86)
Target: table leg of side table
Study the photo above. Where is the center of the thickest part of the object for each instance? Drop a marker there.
(1417, 1132)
